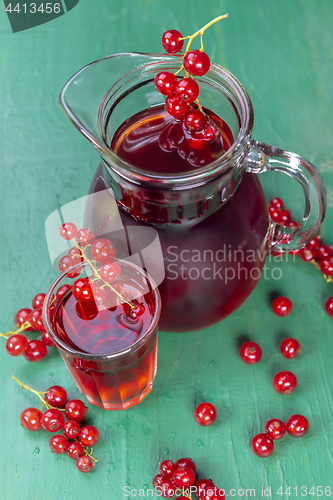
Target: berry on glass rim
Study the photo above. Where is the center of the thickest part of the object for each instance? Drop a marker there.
(109, 272)
(75, 409)
(65, 263)
(53, 420)
(71, 429)
(56, 396)
(297, 426)
(329, 306)
(84, 464)
(275, 214)
(22, 316)
(85, 237)
(31, 419)
(176, 107)
(277, 203)
(307, 254)
(165, 82)
(16, 344)
(275, 428)
(68, 231)
(262, 445)
(62, 291)
(38, 301)
(36, 320)
(58, 444)
(183, 477)
(196, 62)
(282, 306)
(187, 89)
(36, 351)
(290, 348)
(75, 450)
(250, 352)
(323, 252)
(167, 467)
(89, 435)
(194, 121)
(46, 339)
(205, 414)
(326, 266)
(172, 41)
(103, 251)
(84, 290)
(285, 382)
(186, 462)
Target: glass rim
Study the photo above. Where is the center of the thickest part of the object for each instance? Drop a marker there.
(104, 356)
(139, 176)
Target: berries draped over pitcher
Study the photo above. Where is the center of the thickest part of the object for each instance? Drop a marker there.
(182, 101)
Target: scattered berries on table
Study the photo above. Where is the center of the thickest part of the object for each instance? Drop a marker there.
(290, 348)
(282, 306)
(205, 414)
(262, 445)
(250, 352)
(285, 382)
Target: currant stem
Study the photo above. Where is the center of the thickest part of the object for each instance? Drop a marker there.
(39, 394)
(201, 32)
(15, 330)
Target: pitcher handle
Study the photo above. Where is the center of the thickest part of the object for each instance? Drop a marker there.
(264, 158)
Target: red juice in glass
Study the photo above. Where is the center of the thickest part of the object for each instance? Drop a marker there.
(110, 350)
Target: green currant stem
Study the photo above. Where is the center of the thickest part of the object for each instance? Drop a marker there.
(87, 453)
(39, 394)
(15, 330)
(96, 272)
(328, 279)
(201, 32)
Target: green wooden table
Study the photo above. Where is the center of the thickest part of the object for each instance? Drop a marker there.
(282, 53)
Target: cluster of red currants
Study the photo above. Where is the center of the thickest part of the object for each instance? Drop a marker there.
(27, 320)
(182, 95)
(262, 445)
(179, 478)
(53, 420)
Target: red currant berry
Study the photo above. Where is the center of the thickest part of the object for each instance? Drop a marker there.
(158, 480)
(292, 224)
(167, 467)
(36, 351)
(326, 266)
(186, 462)
(282, 306)
(75, 256)
(16, 344)
(58, 444)
(324, 252)
(205, 414)
(290, 348)
(38, 301)
(203, 484)
(275, 428)
(62, 291)
(136, 312)
(46, 339)
(75, 410)
(84, 464)
(171, 41)
(36, 320)
(22, 316)
(277, 203)
(314, 243)
(167, 488)
(165, 82)
(53, 420)
(187, 89)
(103, 251)
(196, 62)
(85, 237)
(89, 435)
(307, 254)
(275, 214)
(31, 419)
(176, 107)
(84, 290)
(109, 272)
(75, 450)
(183, 477)
(250, 352)
(65, 263)
(285, 217)
(197, 144)
(71, 429)
(262, 445)
(329, 307)
(100, 296)
(210, 493)
(297, 426)
(194, 121)
(68, 231)
(285, 382)
(56, 396)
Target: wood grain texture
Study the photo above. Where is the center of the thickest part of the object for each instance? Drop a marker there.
(282, 52)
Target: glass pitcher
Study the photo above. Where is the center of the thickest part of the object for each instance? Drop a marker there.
(212, 222)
